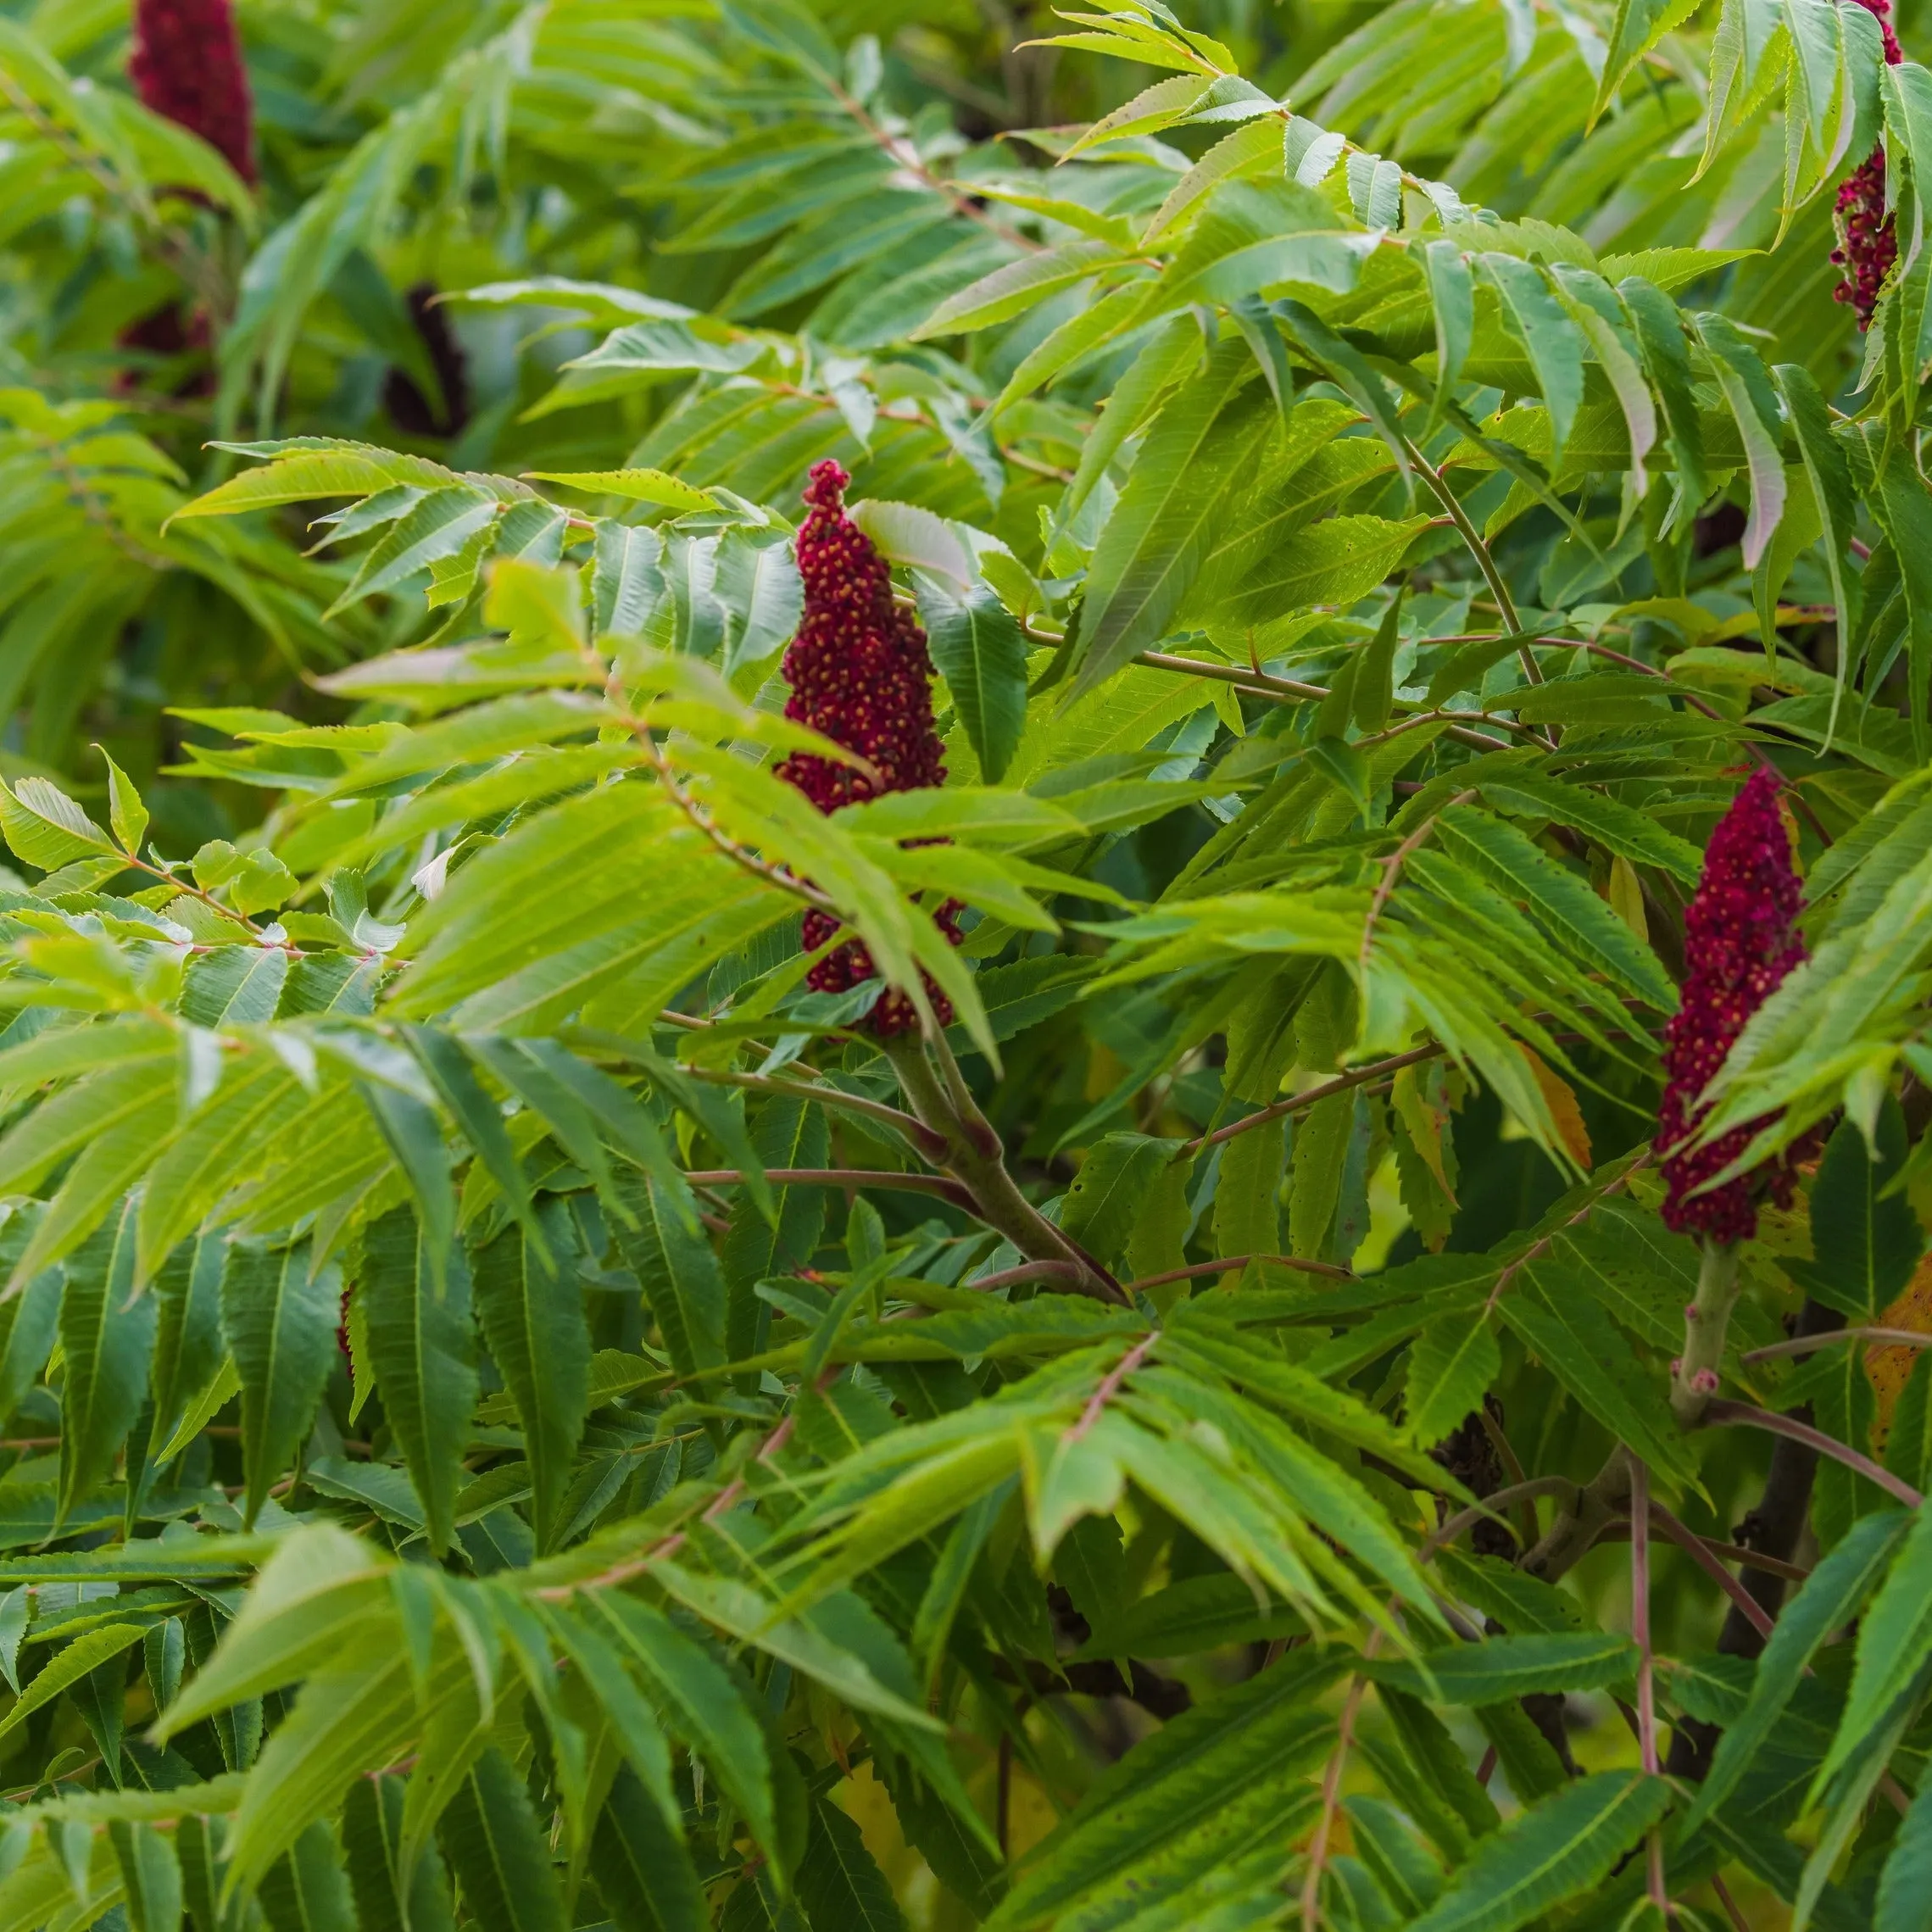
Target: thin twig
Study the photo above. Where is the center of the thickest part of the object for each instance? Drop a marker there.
(1481, 740)
(1005, 1795)
(1512, 1464)
(1021, 460)
(1331, 1793)
(1640, 1612)
(1804, 1345)
(634, 1567)
(1739, 1553)
(1458, 722)
(921, 1137)
(1490, 1508)
(1110, 1385)
(65, 1777)
(1722, 1413)
(1647, 1666)
(1262, 683)
(1026, 1271)
(1513, 1468)
(946, 1190)
(1706, 1556)
(1746, 1558)
(1342, 1083)
(702, 820)
(1499, 588)
(1656, 1883)
(1285, 690)
(1739, 1922)
(1538, 1250)
(1230, 1264)
(904, 156)
(1392, 871)
(189, 889)
(1756, 752)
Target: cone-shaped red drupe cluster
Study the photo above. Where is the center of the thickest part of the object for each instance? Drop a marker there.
(1867, 243)
(1740, 941)
(858, 668)
(861, 675)
(187, 65)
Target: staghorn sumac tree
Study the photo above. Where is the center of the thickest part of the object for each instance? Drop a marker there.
(964, 968)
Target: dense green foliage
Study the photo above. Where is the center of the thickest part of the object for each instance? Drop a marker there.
(520, 1412)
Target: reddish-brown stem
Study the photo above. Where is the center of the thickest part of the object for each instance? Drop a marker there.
(1640, 1613)
(929, 1143)
(1331, 1794)
(1231, 1264)
(1646, 1665)
(1111, 1385)
(1026, 1271)
(1538, 1250)
(1720, 1414)
(938, 1185)
(634, 1567)
(1005, 1795)
(1804, 1345)
(704, 822)
(189, 889)
(1357, 1077)
(1750, 1559)
(1739, 1922)
(1705, 1557)
(1736, 1553)
(1392, 871)
(1489, 1510)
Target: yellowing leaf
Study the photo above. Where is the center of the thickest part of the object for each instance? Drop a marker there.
(1626, 896)
(1424, 1108)
(1560, 1097)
